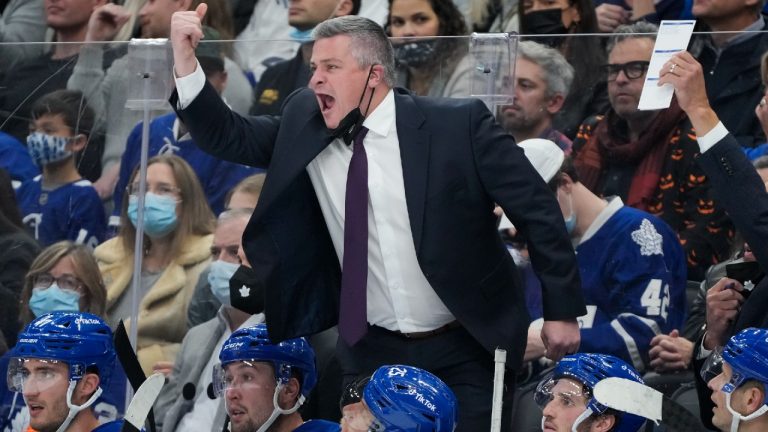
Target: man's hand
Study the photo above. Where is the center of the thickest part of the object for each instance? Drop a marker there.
(610, 16)
(186, 32)
(105, 22)
(684, 73)
(534, 348)
(105, 185)
(724, 301)
(671, 352)
(560, 338)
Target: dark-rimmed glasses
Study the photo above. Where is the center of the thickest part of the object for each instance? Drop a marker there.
(632, 70)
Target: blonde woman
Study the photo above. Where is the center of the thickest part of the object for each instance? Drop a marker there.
(178, 228)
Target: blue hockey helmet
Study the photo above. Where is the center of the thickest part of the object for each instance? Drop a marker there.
(287, 357)
(409, 399)
(589, 369)
(747, 355)
(81, 340)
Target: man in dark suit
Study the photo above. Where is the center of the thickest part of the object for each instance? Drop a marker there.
(427, 281)
(730, 308)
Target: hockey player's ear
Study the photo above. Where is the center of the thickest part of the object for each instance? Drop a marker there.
(85, 388)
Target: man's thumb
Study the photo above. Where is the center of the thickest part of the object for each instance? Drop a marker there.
(201, 9)
(674, 333)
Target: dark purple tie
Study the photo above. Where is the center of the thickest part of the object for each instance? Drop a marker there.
(353, 323)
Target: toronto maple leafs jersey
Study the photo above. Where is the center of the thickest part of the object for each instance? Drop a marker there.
(633, 274)
(216, 176)
(72, 211)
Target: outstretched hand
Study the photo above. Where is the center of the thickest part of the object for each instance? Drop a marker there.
(105, 21)
(186, 32)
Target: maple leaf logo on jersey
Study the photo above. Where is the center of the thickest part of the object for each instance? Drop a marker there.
(245, 291)
(648, 239)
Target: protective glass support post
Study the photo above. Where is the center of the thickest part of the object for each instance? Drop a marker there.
(493, 74)
(149, 87)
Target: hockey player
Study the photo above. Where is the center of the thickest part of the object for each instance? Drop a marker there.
(61, 364)
(740, 383)
(264, 384)
(399, 399)
(632, 265)
(566, 397)
(59, 204)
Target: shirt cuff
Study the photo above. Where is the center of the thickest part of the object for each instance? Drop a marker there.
(712, 137)
(188, 87)
(703, 352)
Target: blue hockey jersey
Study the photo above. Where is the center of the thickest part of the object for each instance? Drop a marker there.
(633, 274)
(69, 212)
(216, 176)
(15, 159)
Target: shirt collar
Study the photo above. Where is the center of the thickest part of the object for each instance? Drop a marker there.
(380, 120)
(614, 205)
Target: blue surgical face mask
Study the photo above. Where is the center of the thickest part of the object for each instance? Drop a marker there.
(570, 221)
(219, 275)
(53, 299)
(45, 149)
(301, 35)
(159, 214)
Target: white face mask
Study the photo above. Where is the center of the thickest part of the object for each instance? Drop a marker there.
(219, 275)
(45, 149)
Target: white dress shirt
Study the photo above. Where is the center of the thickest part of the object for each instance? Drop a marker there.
(399, 297)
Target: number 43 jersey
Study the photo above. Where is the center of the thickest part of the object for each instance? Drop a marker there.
(633, 274)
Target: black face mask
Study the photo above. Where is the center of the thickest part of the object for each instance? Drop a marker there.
(416, 54)
(351, 124)
(546, 22)
(246, 293)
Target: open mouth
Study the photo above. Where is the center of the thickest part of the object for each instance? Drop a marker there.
(326, 102)
(236, 415)
(34, 409)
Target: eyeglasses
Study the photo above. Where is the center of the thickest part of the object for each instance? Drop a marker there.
(159, 189)
(67, 282)
(632, 70)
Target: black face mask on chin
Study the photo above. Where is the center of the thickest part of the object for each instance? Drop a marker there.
(246, 292)
(546, 22)
(351, 124)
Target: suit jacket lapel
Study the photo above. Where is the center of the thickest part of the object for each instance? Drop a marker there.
(414, 156)
(291, 157)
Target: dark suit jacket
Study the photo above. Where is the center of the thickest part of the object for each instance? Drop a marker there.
(742, 193)
(456, 163)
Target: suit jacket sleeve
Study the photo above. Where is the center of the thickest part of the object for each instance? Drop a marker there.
(513, 183)
(741, 192)
(225, 134)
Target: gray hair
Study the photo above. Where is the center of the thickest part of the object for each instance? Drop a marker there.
(370, 45)
(640, 29)
(235, 213)
(558, 73)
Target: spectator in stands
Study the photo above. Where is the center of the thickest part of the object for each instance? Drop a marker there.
(177, 239)
(542, 81)
(430, 66)
(244, 196)
(60, 204)
(282, 78)
(567, 400)
(543, 18)
(107, 89)
(21, 21)
(648, 157)
(168, 135)
(29, 80)
(399, 397)
(731, 62)
(631, 264)
(740, 377)
(17, 250)
(761, 111)
(200, 347)
(613, 13)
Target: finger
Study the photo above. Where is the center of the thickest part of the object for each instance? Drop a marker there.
(657, 339)
(674, 333)
(201, 9)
